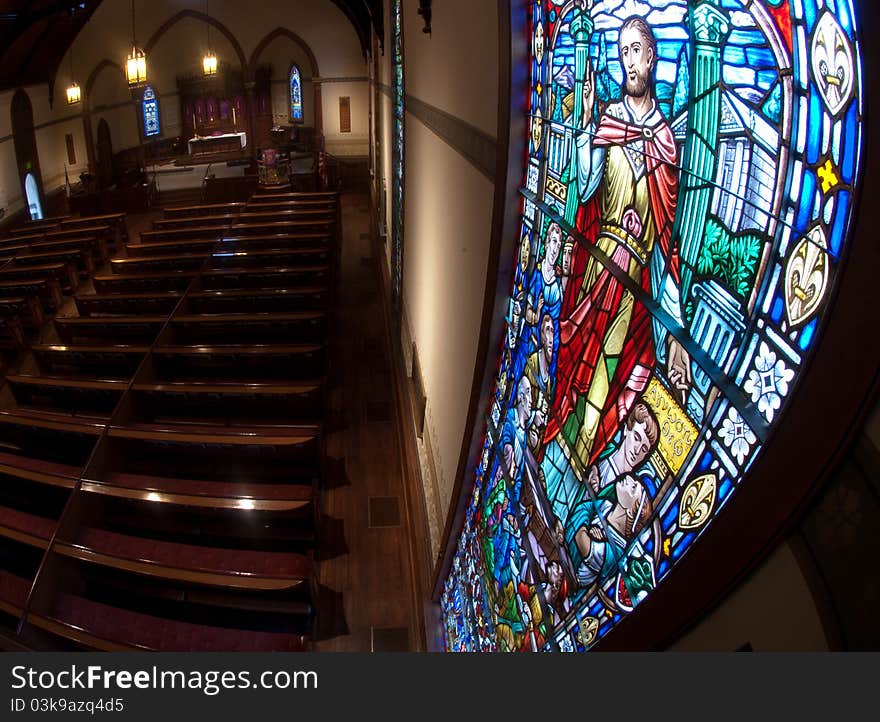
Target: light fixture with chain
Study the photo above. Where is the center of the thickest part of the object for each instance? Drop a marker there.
(136, 63)
(209, 62)
(74, 94)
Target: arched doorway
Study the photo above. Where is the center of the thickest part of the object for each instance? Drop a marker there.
(105, 154)
(32, 196)
(26, 157)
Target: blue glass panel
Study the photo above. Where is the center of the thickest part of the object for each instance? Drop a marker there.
(850, 145)
(841, 218)
(296, 106)
(150, 110)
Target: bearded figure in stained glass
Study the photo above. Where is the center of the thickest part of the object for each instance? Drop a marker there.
(627, 181)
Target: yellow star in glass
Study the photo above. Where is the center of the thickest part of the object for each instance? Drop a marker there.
(828, 176)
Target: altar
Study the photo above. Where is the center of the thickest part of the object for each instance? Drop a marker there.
(217, 143)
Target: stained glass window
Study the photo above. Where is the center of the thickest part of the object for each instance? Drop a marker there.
(397, 94)
(296, 105)
(150, 107)
(686, 202)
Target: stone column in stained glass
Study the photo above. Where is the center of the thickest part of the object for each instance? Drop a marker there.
(581, 32)
(718, 326)
(709, 28)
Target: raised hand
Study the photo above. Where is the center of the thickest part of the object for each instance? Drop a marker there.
(589, 96)
(678, 368)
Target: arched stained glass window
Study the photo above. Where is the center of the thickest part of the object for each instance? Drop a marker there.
(687, 198)
(35, 207)
(150, 107)
(296, 105)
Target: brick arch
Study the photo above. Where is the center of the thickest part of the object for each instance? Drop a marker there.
(196, 15)
(280, 32)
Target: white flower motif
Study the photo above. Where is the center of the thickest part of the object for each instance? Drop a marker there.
(768, 381)
(736, 434)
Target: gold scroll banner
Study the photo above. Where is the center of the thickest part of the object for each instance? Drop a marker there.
(677, 433)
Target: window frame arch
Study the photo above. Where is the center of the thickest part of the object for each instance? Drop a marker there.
(294, 68)
(153, 102)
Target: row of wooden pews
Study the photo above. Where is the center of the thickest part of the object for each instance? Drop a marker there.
(162, 455)
(42, 260)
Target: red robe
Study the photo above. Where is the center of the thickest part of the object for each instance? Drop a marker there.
(584, 323)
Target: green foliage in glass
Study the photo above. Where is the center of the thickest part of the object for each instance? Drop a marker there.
(732, 260)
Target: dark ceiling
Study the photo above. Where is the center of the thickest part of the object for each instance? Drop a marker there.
(35, 35)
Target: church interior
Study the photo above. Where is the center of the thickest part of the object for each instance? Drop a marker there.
(400, 325)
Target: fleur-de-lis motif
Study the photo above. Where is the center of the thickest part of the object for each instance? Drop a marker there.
(539, 42)
(806, 276)
(537, 129)
(697, 502)
(833, 64)
(588, 631)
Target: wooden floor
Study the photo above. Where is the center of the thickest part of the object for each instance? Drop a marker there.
(373, 574)
(367, 603)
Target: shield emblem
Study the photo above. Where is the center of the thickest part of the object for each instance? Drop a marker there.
(697, 502)
(539, 42)
(537, 129)
(833, 64)
(806, 276)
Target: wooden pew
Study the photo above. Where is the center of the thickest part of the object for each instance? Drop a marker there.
(47, 289)
(204, 209)
(42, 224)
(263, 228)
(261, 455)
(128, 304)
(274, 277)
(108, 628)
(156, 263)
(194, 245)
(46, 436)
(117, 222)
(40, 472)
(263, 402)
(64, 273)
(110, 329)
(271, 300)
(269, 328)
(11, 251)
(220, 567)
(11, 334)
(142, 282)
(89, 361)
(274, 240)
(287, 215)
(79, 258)
(274, 196)
(179, 234)
(263, 257)
(297, 499)
(25, 528)
(92, 244)
(75, 396)
(14, 592)
(217, 221)
(282, 205)
(27, 308)
(241, 362)
(100, 235)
